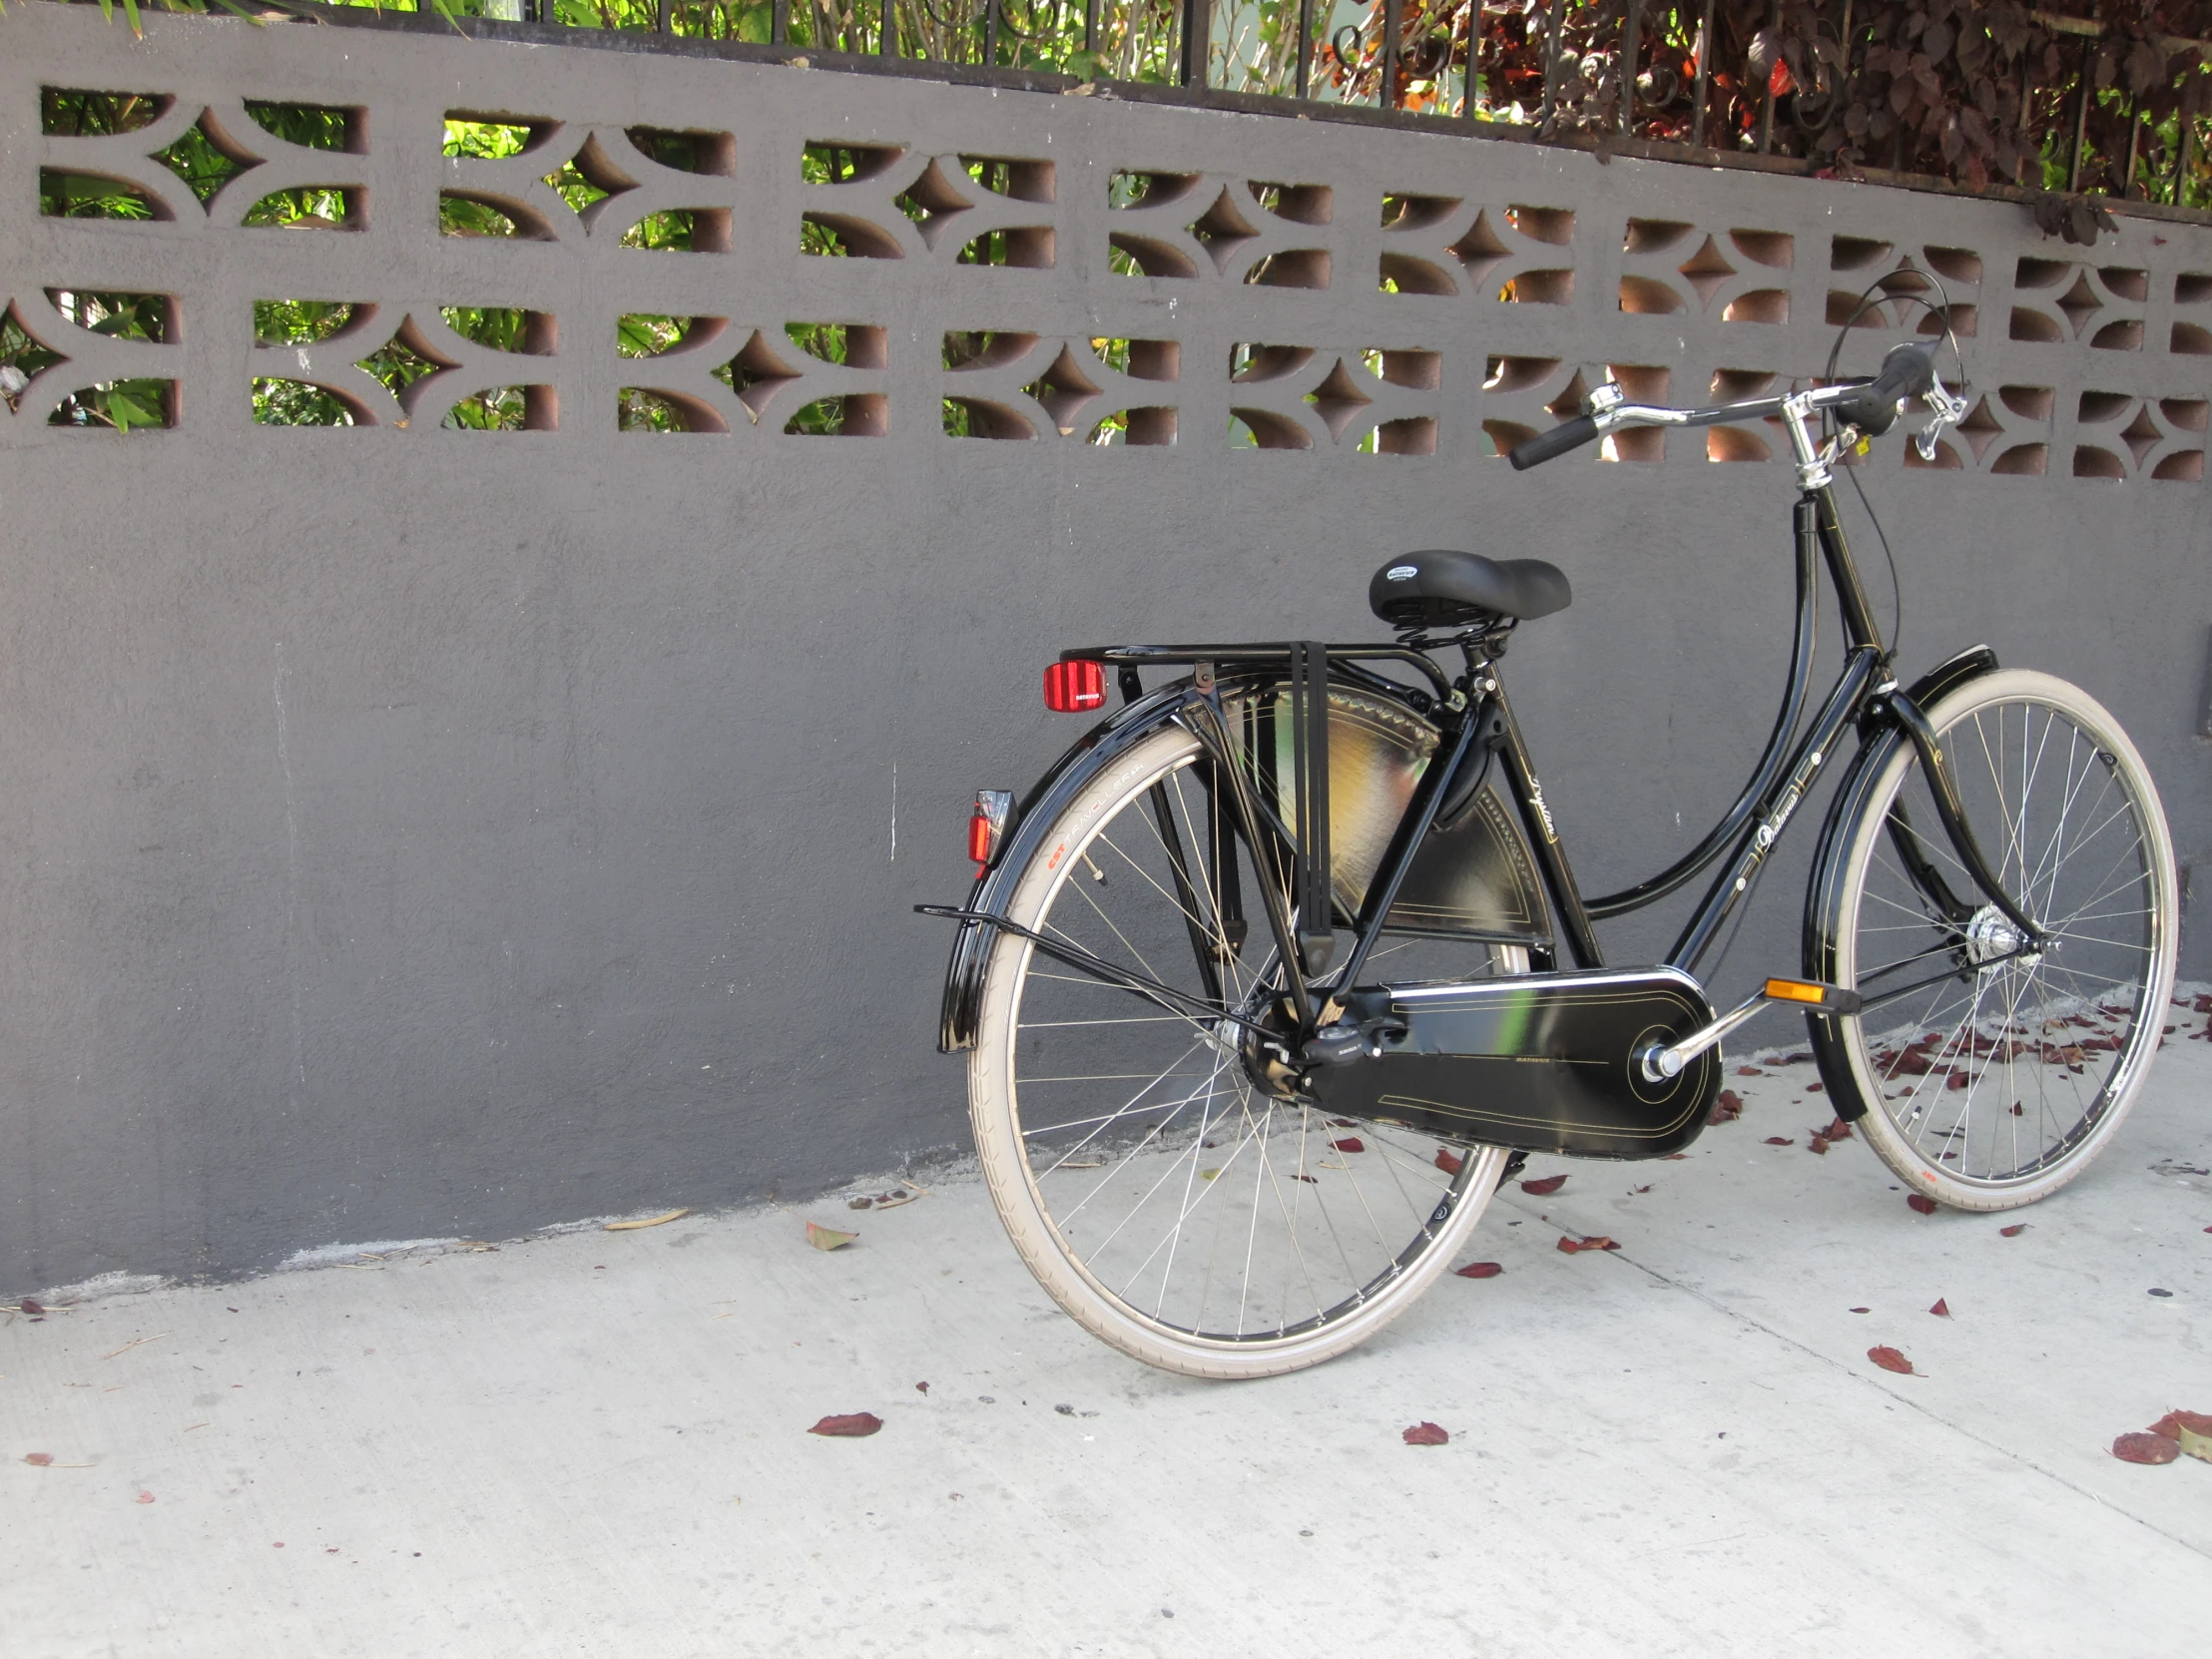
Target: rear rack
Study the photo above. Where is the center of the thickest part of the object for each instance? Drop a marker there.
(1251, 655)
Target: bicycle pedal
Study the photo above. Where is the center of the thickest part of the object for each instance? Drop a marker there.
(1816, 994)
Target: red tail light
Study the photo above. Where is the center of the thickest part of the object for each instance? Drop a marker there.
(986, 825)
(1071, 688)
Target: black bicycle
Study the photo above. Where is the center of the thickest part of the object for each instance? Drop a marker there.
(1281, 969)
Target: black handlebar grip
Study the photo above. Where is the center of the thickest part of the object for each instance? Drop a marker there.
(1906, 372)
(1544, 446)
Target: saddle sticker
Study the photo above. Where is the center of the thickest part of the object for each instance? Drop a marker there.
(1402, 573)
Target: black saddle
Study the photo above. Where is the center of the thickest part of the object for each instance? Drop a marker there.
(1440, 588)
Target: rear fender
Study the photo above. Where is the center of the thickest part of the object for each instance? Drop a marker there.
(994, 889)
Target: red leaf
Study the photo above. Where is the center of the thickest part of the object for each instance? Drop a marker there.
(1479, 1270)
(1350, 1143)
(38, 1459)
(1779, 82)
(1819, 1144)
(1920, 1202)
(29, 1306)
(1728, 1106)
(1862, 1310)
(2019, 1226)
(1816, 1088)
(1544, 1187)
(1309, 1180)
(1342, 1123)
(1941, 1310)
(1779, 1139)
(1889, 1358)
(1680, 1157)
(921, 1387)
(1596, 1241)
(1426, 1434)
(2145, 1448)
(1447, 1162)
(145, 1498)
(1749, 1071)
(2173, 1423)
(857, 1425)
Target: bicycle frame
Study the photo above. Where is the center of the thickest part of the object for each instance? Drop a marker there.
(1476, 721)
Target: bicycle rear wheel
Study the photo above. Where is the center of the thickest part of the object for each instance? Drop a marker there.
(1174, 1209)
(1992, 1077)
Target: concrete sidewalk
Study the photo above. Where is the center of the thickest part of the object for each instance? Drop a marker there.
(595, 1444)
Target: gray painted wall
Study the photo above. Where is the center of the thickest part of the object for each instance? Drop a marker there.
(408, 833)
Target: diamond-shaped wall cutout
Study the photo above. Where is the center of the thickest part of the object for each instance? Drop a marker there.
(1222, 229)
(1064, 390)
(1980, 428)
(932, 203)
(404, 360)
(1480, 249)
(756, 374)
(1339, 400)
(1706, 270)
(2141, 435)
(2079, 303)
(206, 157)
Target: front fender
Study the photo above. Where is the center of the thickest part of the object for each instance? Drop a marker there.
(994, 889)
(1822, 892)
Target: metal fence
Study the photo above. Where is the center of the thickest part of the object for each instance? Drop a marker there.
(2085, 107)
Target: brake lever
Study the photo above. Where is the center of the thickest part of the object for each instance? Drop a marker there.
(1949, 411)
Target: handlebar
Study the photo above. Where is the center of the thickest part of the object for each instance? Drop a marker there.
(1907, 370)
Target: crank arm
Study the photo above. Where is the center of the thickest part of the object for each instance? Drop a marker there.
(1661, 1061)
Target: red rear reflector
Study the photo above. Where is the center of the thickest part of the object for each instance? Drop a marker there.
(986, 825)
(1071, 688)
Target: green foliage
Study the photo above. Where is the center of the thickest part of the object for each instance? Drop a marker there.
(122, 405)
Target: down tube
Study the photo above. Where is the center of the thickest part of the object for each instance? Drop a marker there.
(1734, 881)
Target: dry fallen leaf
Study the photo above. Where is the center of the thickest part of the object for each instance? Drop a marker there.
(38, 1459)
(921, 1387)
(828, 1238)
(1479, 1270)
(1941, 1310)
(857, 1425)
(1779, 1139)
(1451, 1166)
(1749, 1071)
(1728, 1106)
(2019, 1226)
(1889, 1358)
(1350, 1143)
(1596, 1241)
(1426, 1434)
(2145, 1448)
(1544, 1187)
(645, 1221)
(1862, 1310)
(2191, 1431)
(1920, 1202)
(1309, 1180)
(31, 1306)
(145, 1498)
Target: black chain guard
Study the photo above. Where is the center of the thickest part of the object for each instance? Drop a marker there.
(1544, 1062)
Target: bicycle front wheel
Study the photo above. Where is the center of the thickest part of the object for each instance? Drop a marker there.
(1993, 1075)
(1177, 1211)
